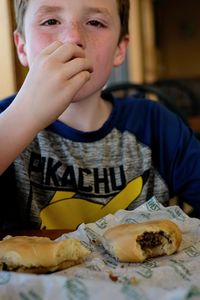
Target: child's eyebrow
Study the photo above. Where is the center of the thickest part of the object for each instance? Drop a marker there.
(98, 10)
(48, 9)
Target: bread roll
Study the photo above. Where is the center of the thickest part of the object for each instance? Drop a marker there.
(137, 242)
(40, 254)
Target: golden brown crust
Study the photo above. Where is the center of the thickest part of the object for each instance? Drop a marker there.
(137, 242)
(41, 269)
(40, 254)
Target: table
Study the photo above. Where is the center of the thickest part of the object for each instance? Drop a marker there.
(168, 277)
(194, 123)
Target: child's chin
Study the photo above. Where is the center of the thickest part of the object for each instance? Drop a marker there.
(81, 96)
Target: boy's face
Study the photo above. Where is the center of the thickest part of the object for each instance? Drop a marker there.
(92, 24)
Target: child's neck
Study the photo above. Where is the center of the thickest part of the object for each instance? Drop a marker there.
(87, 115)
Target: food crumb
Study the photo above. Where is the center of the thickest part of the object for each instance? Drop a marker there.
(134, 280)
(113, 277)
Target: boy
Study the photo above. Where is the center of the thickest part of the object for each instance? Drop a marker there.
(74, 156)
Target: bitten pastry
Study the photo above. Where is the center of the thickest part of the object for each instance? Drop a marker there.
(40, 254)
(137, 242)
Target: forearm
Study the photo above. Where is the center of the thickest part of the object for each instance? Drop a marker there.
(16, 132)
(40, 101)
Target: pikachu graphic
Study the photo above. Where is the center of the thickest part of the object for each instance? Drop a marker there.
(65, 210)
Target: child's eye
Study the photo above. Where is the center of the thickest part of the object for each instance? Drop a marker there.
(50, 22)
(96, 23)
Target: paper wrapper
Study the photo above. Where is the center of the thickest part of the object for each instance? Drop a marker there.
(175, 277)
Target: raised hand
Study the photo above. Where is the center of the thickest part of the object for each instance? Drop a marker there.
(55, 76)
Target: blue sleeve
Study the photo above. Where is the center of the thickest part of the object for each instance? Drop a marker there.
(183, 164)
(175, 149)
(176, 153)
(4, 103)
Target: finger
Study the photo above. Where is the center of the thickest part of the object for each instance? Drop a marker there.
(52, 48)
(68, 51)
(76, 66)
(76, 82)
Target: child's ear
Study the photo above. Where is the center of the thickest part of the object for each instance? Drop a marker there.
(21, 48)
(121, 51)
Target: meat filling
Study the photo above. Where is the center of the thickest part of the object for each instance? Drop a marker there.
(152, 239)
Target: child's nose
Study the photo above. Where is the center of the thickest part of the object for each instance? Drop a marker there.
(73, 34)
